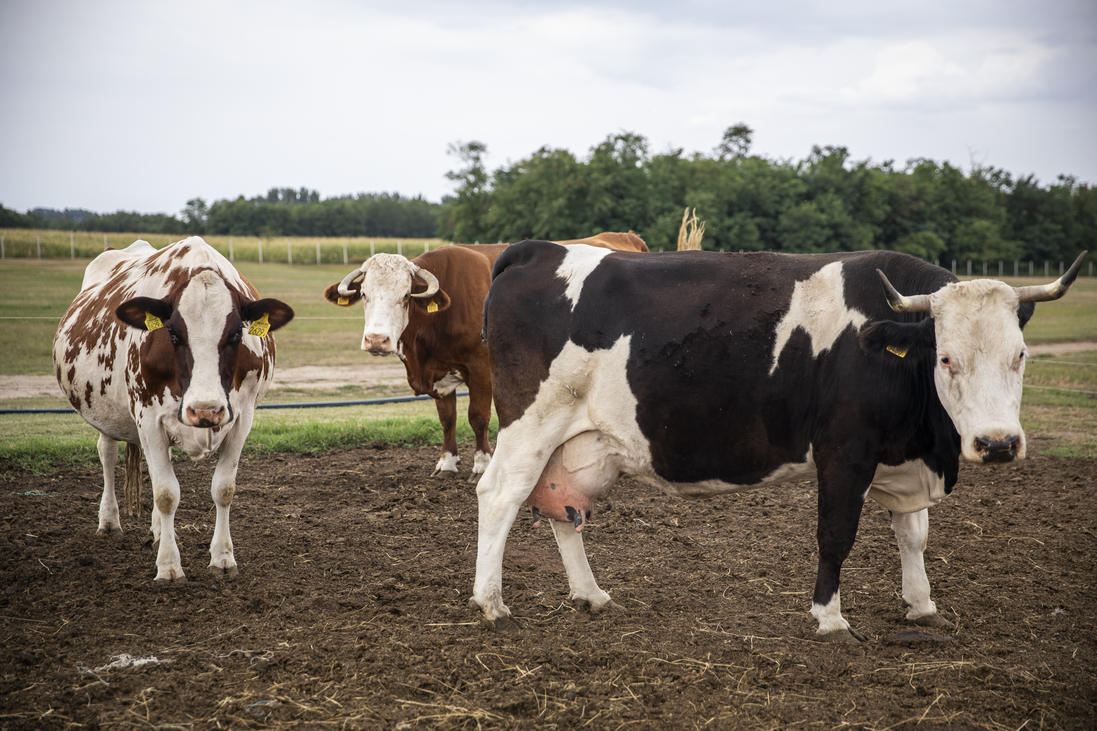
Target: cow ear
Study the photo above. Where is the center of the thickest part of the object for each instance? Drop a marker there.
(278, 312)
(331, 294)
(1024, 313)
(435, 303)
(144, 313)
(899, 340)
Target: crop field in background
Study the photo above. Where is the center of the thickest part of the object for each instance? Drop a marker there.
(35, 293)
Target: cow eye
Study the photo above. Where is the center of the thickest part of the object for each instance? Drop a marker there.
(945, 361)
(236, 336)
(174, 336)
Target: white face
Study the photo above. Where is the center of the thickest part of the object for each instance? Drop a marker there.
(386, 291)
(205, 307)
(980, 367)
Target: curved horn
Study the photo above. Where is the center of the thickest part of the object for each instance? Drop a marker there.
(902, 303)
(344, 286)
(1055, 290)
(430, 279)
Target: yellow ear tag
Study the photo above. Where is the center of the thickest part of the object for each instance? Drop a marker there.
(432, 306)
(902, 353)
(260, 327)
(343, 301)
(152, 322)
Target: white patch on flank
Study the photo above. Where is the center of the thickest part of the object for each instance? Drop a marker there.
(448, 384)
(830, 616)
(578, 263)
(818, 306)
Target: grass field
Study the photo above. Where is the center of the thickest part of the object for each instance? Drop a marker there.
(35, 293)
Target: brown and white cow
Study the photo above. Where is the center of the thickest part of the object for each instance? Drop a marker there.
(168, 348)
(428, 312)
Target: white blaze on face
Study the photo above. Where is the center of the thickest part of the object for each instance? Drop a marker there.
(386, 290)
(818, 306)
(980, 364)
(205, 306)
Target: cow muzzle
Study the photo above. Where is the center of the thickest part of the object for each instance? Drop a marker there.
(205, 417)
(377, 345)
(998, 450)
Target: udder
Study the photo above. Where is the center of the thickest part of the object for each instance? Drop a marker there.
(580, 470)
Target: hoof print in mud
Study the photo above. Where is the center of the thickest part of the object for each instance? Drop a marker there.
(842, 637)
(912, 637)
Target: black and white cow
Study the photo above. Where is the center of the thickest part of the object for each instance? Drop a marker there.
(708, 373)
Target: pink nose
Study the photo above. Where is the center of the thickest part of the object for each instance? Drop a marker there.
(377, 344)
(205, 417)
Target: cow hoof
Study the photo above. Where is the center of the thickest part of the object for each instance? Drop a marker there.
(843, 636)
(932, 620)
(474, 477)
(113, 532)
(180, 579)
(228, 573)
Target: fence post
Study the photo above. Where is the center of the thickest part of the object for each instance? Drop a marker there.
(999, 267)
(953, 266)
(1030, 267)
(936, 262)
(72, 245)
(1045, 267)
(426, 246)
(39, 246)
(1060, 268)
(399, 248)
(289, 252)
(260, 251)
(230, 250)
(1091, 269)
(371, 249)
(1015, 267)
(344, 252)
(104, 242)
(984, 268)
(969, 267)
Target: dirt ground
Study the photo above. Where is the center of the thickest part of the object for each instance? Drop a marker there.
(350, 610)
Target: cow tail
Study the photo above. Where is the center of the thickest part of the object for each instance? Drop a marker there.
(132, 492)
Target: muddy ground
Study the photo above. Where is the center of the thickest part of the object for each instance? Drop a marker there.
(350, 610)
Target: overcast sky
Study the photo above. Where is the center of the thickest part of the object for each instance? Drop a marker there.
(144, 105)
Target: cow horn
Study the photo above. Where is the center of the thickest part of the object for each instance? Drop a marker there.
(344, 286)
(1053, 291)
(902, 303)
(430, 279)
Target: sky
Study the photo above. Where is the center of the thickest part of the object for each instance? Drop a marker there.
(142, 106)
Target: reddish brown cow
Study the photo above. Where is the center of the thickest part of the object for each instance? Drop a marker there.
(428, 312)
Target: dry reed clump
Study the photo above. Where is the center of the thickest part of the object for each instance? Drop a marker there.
(690, 232)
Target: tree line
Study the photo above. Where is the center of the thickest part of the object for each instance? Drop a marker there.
(826, 202)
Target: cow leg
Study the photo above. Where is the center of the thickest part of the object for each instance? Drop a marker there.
(502, 490)
(840, 502)
(584, 588)
(911, 531)
(165, 501)
(109, 523)
(223, 488)
(480, 419)
(447, 414)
